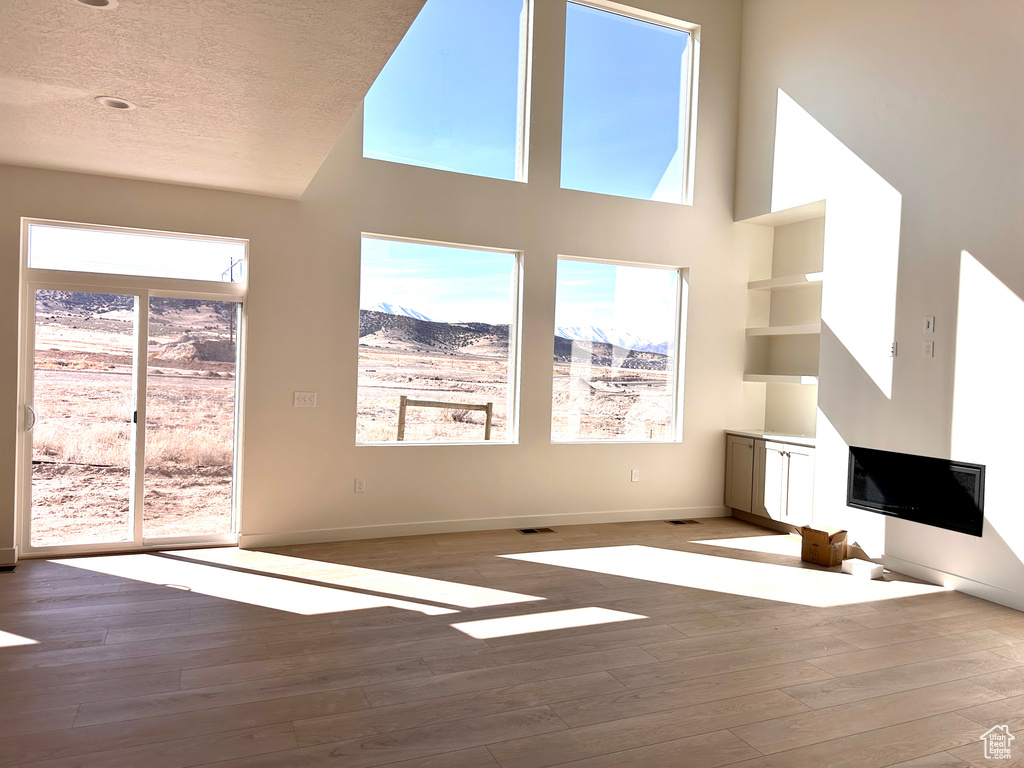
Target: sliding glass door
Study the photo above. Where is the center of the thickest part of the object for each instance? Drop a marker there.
(132, 388)
(190, 417)
(90, 434)
(84, 431)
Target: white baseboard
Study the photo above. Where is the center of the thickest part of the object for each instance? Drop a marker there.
(959, 583)
(8, 556)
(284, 538)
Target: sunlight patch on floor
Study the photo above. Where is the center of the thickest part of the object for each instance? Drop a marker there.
(252, 589)
(785, 584)
(543, 622)
(398, 584)
(770, 545)
(11, 640)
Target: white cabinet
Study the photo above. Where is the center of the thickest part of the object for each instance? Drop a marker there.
(739, 472)
(769, 480)
(799, 484)
(783, 481)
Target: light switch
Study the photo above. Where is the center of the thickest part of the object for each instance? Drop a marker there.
(929, 324)
(304, 400)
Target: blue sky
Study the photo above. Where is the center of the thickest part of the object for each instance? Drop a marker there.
(449, 96)
(615, 297)
(445, 284)
(621, 110)
(448, 99)
(458, 284)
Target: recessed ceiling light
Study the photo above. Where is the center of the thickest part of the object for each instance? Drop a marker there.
(114, 102)
(106, 4)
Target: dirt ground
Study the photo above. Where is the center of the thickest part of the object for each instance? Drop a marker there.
(604, 403)
(590, 402)
(472, 379)
(83, 439)
(84, 395)
(84, 504)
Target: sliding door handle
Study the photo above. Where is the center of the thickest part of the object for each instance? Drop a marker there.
(31, 417)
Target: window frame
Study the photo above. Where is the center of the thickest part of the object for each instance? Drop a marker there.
(688, 124)
(675, 431)
(523, 102)
(143, 288)
(515, 342)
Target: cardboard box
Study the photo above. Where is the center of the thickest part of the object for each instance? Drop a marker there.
(824, 546)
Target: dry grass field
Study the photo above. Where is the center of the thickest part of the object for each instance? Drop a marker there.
(601, 404)
(600, 392)
(384, 376)
(595, 402)
(84, 395)
(83, 440)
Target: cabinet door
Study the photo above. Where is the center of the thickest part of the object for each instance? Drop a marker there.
(739, 471)
(799, 485)
(773, 497)
(758, 501)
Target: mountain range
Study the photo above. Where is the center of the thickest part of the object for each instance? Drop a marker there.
(402, 334)
(572, 333)
(395, 309)
(623, 340)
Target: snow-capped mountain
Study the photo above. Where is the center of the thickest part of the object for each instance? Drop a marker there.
(624, 340)
(394, 309)
(573, 332)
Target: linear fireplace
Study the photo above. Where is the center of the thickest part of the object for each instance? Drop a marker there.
(946, 494)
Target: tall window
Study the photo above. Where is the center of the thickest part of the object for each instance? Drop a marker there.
(629, 102)
(453, 94)
(617, 349)
(437, 343)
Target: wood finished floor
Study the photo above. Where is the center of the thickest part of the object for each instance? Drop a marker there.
(438, 652)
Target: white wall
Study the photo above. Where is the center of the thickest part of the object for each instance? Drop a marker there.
(922, 92)
(532, 482)
(274, 229)
(303, 310)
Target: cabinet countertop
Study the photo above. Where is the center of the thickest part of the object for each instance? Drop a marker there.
(777, 437)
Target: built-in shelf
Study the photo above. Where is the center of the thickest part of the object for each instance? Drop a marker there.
(815, 210)
(785, 330)
(789, 281)
(777, 378)
(782, 348)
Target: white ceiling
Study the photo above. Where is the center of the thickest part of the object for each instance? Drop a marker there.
(247, 95)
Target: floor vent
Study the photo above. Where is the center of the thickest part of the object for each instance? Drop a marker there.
(683, 522)
(535, 530)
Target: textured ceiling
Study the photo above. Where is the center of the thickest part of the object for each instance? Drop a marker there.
(234, 94)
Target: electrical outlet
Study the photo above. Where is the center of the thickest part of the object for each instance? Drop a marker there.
(929, 324)
(304, 400)
(892, 350)
(634, 476)
(929, 349)
(360, 485)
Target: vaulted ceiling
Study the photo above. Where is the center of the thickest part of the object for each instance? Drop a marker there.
(247, 95)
